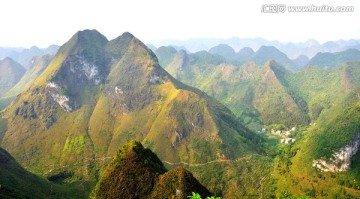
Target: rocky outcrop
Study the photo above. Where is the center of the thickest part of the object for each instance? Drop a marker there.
(341, 159)
(59, 96)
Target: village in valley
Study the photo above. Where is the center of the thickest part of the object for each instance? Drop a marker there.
(282, 133)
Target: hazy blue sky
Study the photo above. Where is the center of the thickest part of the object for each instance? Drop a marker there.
(44, 22)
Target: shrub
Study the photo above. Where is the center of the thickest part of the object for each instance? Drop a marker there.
(197, 196)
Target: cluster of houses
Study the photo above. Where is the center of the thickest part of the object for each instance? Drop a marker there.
(287, 140)
(284, 134)
(280, 133)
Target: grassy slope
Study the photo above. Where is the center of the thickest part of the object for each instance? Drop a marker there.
(255, 94)
(193, 69)
(165, 54)
(271, 96)
(309, 84)
(3, 126)
(293, 174)
(16, 182)
(267, 53)
(38, 66)
(178, 122)
(324, 95)
(335, 127)
(331, 61)
(10, 73)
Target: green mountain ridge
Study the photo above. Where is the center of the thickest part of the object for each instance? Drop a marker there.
(260, 57)
(255, 94)
(223, 50)
(266, 53)
(24, 56)
(166, 53)
(10, 73)
(96, 95)
(326, 98)
(247, 92)
(136, 172)
(336, 130)
(331, 61)
(16, 182)
(36, 68)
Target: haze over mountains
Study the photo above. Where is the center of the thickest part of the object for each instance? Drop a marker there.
(309, 48)
(38, 65)
(266, 53)
(244, 122)
(10, 73)
(23, 56)
(220, 73)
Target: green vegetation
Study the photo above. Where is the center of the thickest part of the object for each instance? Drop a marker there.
(136, 172)
(75, 144)
(97, 95)
(16, 182)
(165, 55)
(3, 127)
(280, 99)
(197, 196)
(343, 128)
(269, 94)
(293, 175)
(10, 73)
(267, 53)
(244, 88)
(225, 51)
(67, 130)
(38, 65)
(330, 61)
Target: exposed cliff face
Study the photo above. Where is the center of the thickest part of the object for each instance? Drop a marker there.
(341, 159)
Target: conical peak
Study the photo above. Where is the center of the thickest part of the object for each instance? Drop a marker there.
(84, 34)
(84, 42)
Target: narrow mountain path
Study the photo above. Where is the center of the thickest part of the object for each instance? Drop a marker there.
(205, 163)
(166, 162)
(82, 162)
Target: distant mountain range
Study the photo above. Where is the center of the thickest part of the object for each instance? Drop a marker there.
(309, 48)
(24, 55)
(257, 86)
(334, 60)
(10, 74)
(265, 53)
(38, 65)
(245, 122)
